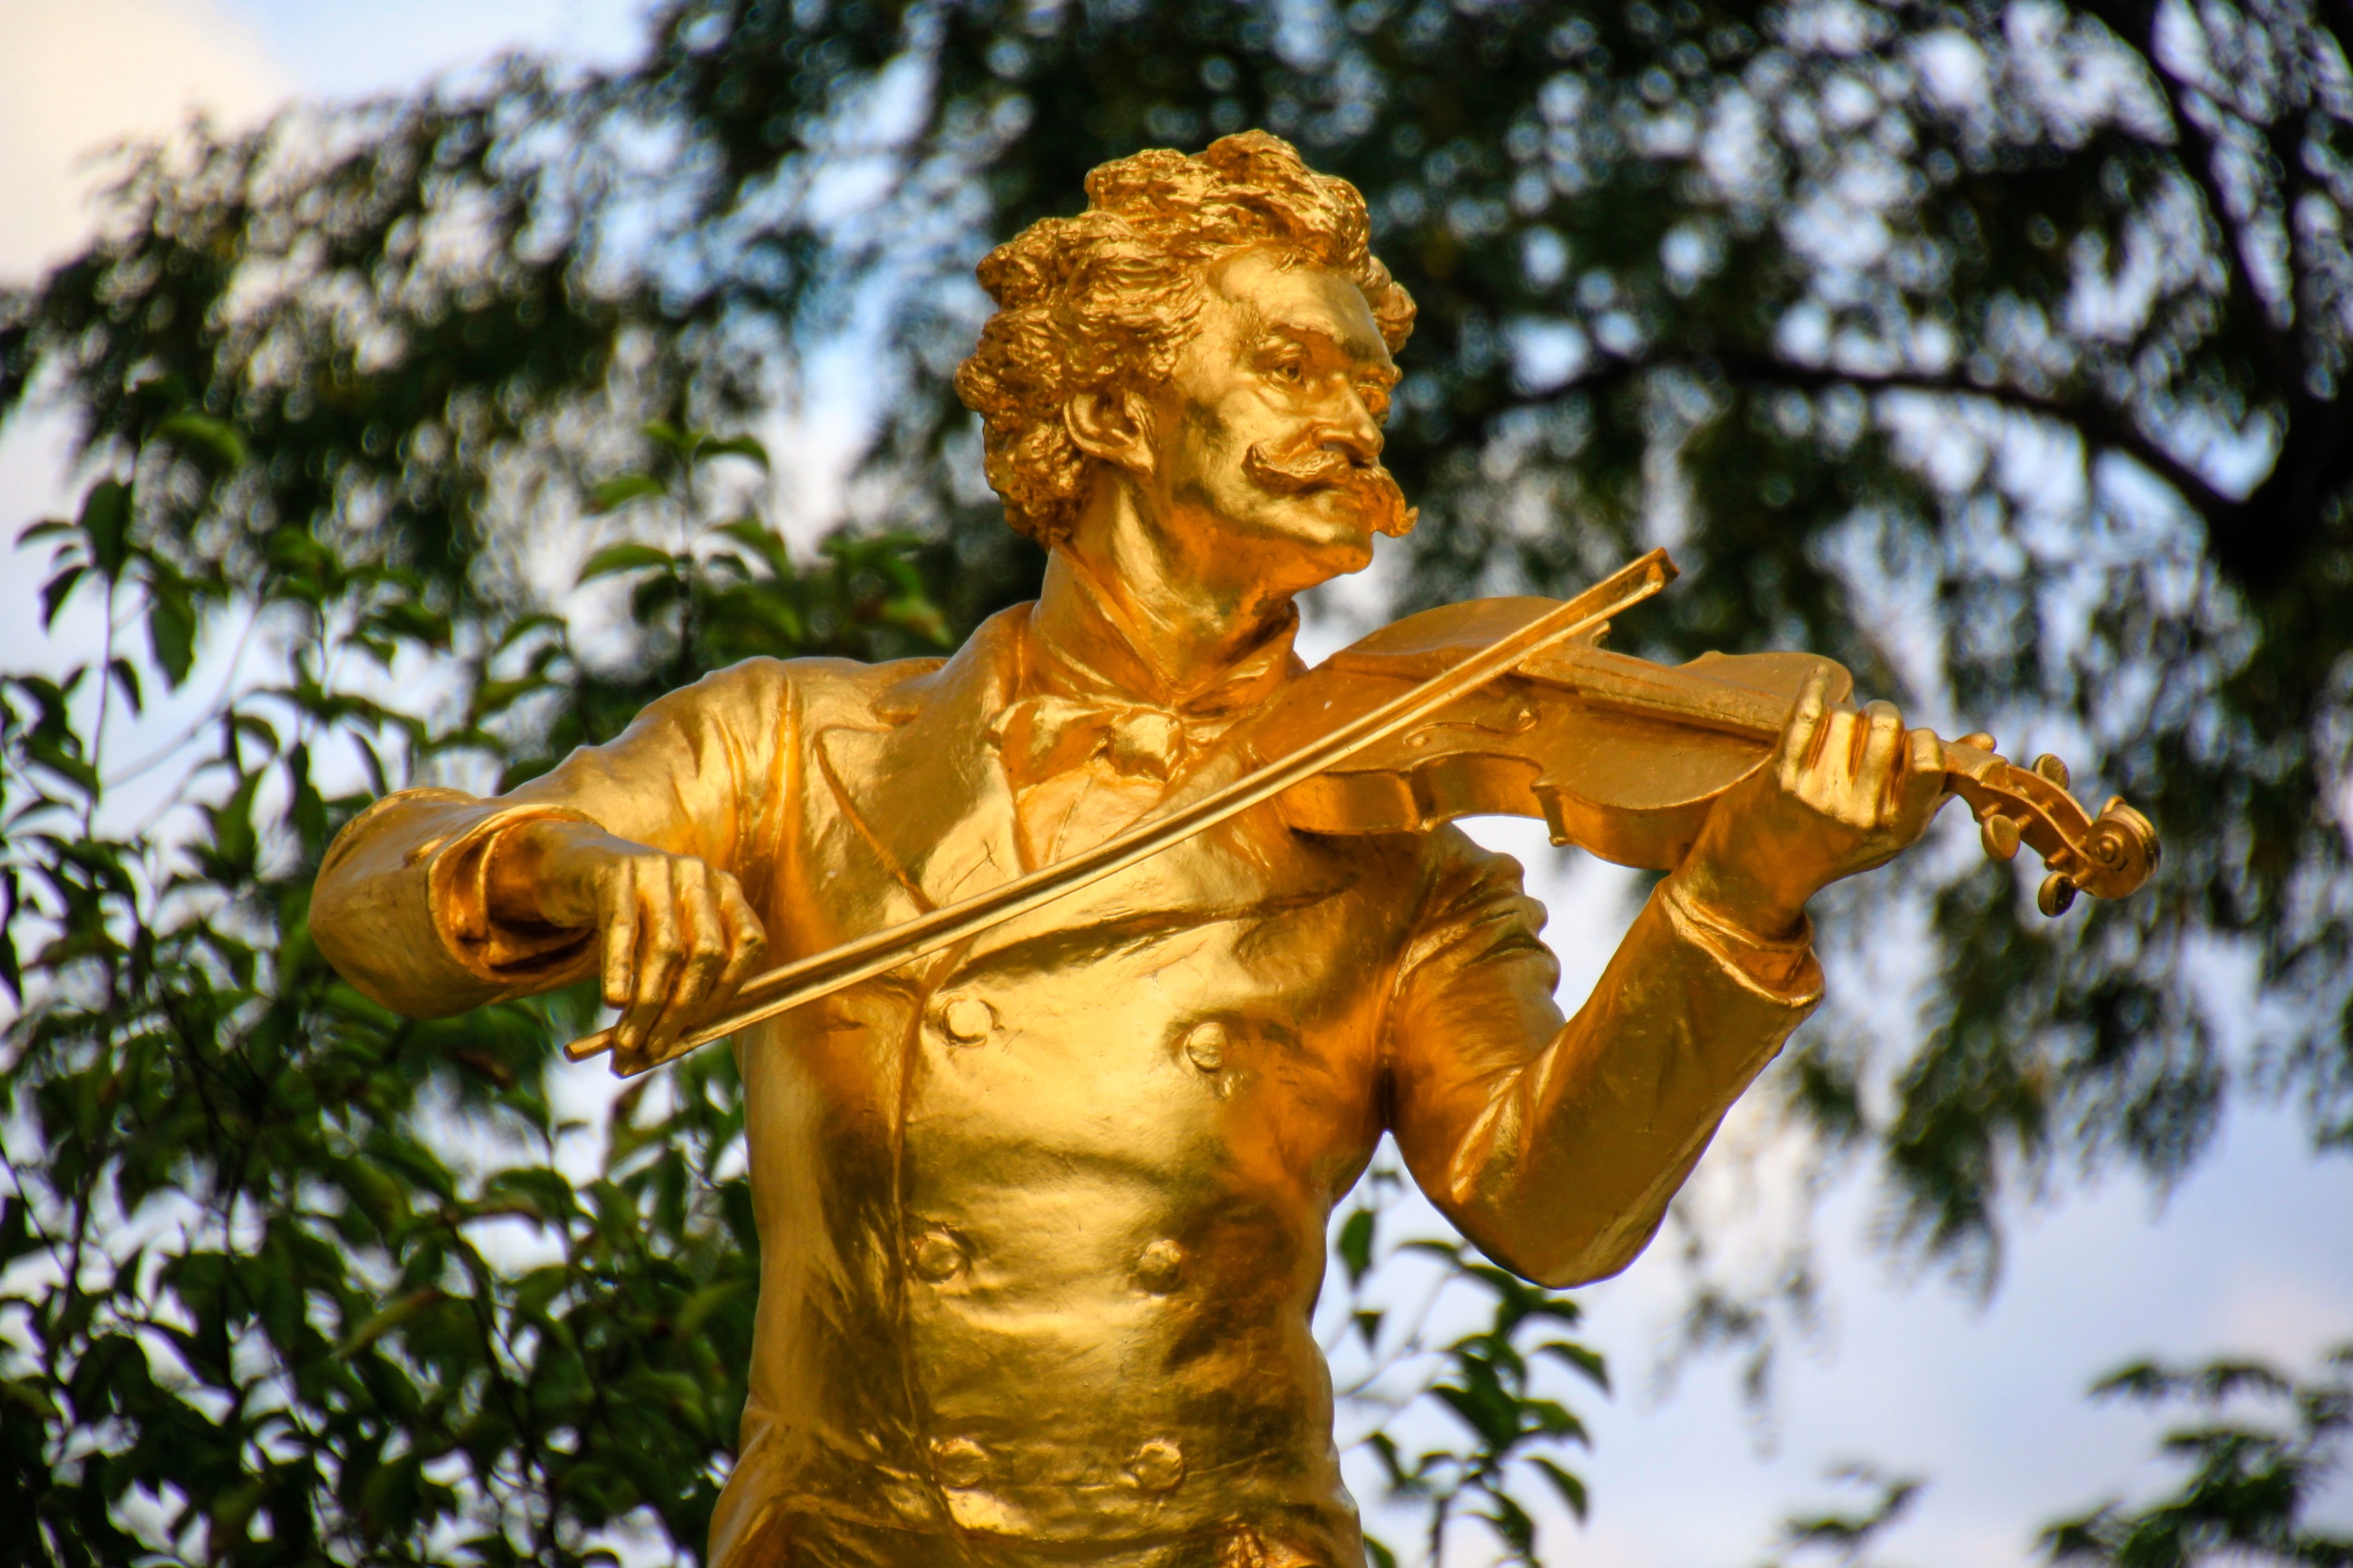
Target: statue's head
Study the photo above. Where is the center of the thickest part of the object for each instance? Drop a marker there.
(1214, 332)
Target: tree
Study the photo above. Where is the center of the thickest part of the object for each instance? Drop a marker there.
(265, 1313)
(2253, 1482)
(1995, 349)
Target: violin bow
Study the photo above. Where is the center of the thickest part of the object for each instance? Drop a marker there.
(789, 986)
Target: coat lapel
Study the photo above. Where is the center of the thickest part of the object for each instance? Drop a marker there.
(924, 785)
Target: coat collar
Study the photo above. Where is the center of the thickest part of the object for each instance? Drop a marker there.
(926, 781)
(925, 785)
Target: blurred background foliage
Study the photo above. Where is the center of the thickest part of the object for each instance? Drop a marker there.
(1996, 350)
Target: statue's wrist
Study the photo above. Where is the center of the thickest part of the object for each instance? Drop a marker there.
(533, 877)
(1742, 901)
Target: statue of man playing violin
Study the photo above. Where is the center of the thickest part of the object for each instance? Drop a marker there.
(1042, 1213)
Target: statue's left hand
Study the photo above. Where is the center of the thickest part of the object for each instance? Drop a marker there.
(1845, 790)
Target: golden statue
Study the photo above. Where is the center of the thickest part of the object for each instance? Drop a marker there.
(1107, 1011)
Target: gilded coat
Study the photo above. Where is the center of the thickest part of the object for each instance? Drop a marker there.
(1043, 1218)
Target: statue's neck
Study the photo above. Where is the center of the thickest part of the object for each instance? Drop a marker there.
(1163, 639)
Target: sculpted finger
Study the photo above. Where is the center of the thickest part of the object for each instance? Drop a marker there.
(1837, 750)
(1801, 736)
(747, 938)
(1920, 792)
(1879, 757)
(704, 933)
(659, 955)
(620, 937)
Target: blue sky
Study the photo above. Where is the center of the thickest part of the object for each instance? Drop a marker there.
(2253, 1253)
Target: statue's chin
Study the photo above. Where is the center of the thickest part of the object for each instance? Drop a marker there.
(1327, 525)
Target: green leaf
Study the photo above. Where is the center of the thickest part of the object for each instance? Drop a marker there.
(1588, 1363)
(56, 591)
(255, 727)
(65, 764)
(383, 1322)
(523, 626)
(210, 441)
(106, 523)
(738, 446)
(619, 492)
(615, 559)
(1490, 1412)
(1354, 1245)
(1512, 1522)
(12, 973)
(173, 631)
(699, 1306)
(126, 678)
(762, 540)
(30, 1397)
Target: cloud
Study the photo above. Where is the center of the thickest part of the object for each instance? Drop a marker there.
(79, 76)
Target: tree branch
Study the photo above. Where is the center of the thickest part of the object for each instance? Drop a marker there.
(2199, 153)
(2099, 425)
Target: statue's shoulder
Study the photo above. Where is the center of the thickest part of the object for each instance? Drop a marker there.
(822, 693)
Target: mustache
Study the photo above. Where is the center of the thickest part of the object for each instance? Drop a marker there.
(1306, 464)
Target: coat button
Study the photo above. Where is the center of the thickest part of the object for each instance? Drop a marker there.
(1160, 1268)
(1207, 1046)
(968, 1019)
(936, 1256)
(1157, 1465)
(959, 1462)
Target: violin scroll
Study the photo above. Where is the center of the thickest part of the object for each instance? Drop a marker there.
(2105, 855)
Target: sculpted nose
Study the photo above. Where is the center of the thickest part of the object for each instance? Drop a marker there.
(1354, 435)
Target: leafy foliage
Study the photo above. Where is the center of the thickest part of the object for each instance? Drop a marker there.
(2253, 1481)
(1505, 1433)
(1848, 1538)
(289, 1278)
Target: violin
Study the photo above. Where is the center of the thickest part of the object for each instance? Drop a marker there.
(1501, 707)
(1624, 758)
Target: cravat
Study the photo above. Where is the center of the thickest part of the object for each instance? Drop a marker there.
(1044, 735)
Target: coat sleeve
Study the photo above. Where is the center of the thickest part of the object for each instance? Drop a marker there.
(1557, 1146)
(401, 908)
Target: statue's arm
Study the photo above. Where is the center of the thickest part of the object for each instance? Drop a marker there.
(433, 902)
(1557, 1146)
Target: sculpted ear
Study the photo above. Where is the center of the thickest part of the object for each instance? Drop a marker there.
(1112, 425)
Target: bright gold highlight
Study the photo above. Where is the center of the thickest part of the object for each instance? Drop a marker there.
(1108, 298)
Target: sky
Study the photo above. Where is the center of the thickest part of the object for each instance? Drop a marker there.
(2253, 1253)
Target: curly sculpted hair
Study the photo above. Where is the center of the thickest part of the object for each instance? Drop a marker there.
(1112, 296)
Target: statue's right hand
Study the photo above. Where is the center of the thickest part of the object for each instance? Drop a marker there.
(676, 934)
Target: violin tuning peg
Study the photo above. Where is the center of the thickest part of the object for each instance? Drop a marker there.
(1999, 834)
(1977, 739)
(2056, 896)
(2053, 769)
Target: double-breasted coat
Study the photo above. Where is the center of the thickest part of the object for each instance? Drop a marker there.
(1042, 1217)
